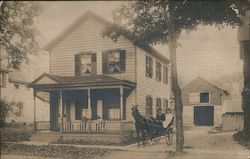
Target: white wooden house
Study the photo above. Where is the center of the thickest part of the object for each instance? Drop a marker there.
(14, 87)
(94, 81)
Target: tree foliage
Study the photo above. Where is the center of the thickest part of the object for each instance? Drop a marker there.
(147, 21)
(17, 36)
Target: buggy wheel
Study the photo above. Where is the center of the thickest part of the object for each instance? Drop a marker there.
(169, 136)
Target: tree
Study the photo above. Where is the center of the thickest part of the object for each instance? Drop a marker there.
(17, 38)
(154, 22)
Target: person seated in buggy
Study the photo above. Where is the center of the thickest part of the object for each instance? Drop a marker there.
(160, 117)
(169, 119)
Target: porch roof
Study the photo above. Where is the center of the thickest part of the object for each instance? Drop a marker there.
(51, 81)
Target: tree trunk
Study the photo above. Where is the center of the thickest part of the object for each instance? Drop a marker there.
(175, 85)
(246, 74)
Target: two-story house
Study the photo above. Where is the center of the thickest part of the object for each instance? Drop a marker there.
(14, 87)
(94, 81)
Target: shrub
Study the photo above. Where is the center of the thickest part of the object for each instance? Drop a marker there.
(241, 137)
(55, 151)
(16, 132)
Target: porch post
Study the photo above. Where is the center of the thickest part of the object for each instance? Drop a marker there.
(61, 110)
(121, 102)
(89, 105)
(34, 120)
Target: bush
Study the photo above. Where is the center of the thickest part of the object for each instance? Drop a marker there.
(55, 151)
(16, 133)
(241, 137)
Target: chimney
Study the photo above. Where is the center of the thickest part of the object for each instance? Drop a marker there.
(117, 18)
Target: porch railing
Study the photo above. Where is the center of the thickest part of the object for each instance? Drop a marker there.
(111, 127)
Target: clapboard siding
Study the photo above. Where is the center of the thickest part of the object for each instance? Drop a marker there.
(87, 36)
(148, 86)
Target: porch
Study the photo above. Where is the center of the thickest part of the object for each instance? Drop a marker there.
(91, 126)
(92, 108)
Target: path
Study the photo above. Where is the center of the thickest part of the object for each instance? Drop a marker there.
(199, 145)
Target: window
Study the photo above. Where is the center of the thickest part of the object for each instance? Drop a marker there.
(165, 104)
(3, 79)
(114, 61)
(16, 86)
(158, 71)
(114, 113)
(158, 103)
(165, 74)
(149, 104)
(85, 64)
(149, 67)
(204, 97)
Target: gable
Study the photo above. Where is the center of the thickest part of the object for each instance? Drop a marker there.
(45, 79)
(199, 84)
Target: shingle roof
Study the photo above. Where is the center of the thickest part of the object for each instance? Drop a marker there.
(89, 14)
(84, 80)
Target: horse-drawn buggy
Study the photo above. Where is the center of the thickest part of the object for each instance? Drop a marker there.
(150, 129)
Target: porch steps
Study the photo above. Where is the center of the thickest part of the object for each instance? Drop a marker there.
(45, 137)
(54, 136)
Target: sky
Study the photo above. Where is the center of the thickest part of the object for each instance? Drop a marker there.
(208, 51)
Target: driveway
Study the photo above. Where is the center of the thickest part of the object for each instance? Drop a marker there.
(199, 144)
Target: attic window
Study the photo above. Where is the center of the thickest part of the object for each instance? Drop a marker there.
(204, 97)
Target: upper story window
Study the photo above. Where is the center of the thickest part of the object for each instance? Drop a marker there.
(149, 106)
(165, 74)
(114, 61)
(204, 97)
(3, 79)
(158, 71)
(85, 64)
(149, 66)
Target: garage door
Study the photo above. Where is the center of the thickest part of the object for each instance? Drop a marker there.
(203, 115)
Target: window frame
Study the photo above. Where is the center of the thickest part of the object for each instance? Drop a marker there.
(158, 71)
(208, 97)
(3, 79)
(118, 113)
(81, 63)
(149, 105)
(158, 103)
(165, 74)
(149, 66)
(119, 63)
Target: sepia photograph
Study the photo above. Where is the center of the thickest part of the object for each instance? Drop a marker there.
(154, 79)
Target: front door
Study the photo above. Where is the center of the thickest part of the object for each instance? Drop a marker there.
(54, 111)
(203, 115)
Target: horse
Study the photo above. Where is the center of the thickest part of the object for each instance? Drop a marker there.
(140, 124)
(149, 128)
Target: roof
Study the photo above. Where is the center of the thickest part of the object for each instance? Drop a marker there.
(200, 78)
(91, 80)
(90, 14)
(18, 77)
